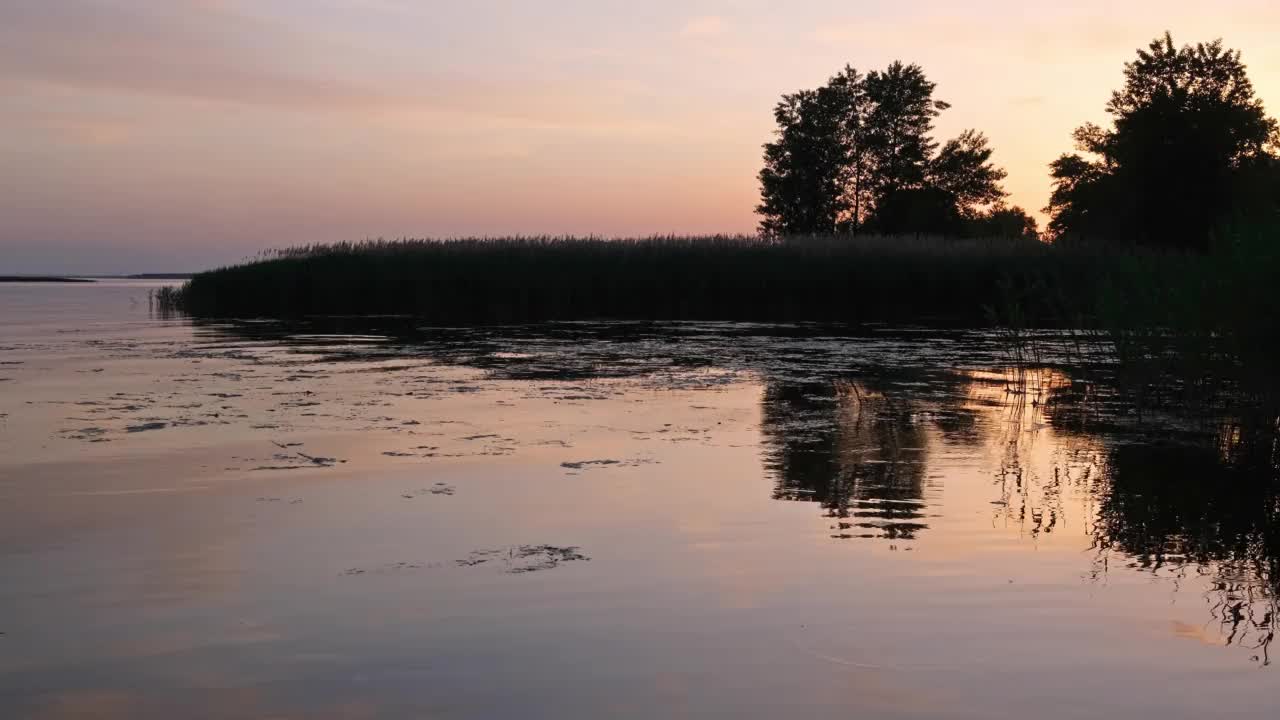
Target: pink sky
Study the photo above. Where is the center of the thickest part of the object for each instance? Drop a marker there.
(151, 135)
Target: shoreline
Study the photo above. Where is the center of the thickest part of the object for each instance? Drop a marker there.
(42, 279)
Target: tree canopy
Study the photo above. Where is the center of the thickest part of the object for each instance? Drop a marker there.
(1190, 147)
(858, 154)
(811, 166)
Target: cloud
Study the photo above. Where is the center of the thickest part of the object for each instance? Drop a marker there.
(182, 48)
(704, 26)
(215, 51)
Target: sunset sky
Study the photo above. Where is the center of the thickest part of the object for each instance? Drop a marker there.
(170, 135)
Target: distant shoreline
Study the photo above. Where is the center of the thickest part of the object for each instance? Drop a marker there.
(92, 278)
(42, 279)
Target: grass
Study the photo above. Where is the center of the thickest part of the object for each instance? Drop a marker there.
(865, 279)
(1172, 334)
(1214, 316)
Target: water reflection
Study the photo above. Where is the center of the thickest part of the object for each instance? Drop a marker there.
(871, 428)
(1173, 510)
(867, 453)
(858, 452)
(1039, 464)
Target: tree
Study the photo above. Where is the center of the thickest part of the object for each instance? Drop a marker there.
(963, 169)
(858, 154)
(898, 127)
(1002, 221)
(951, 192)
(922, 209)
(813, 172)
(1186, 138)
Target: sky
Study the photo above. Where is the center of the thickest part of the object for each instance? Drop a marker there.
(177, 135)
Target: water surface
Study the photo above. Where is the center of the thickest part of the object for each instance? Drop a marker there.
(603, 520)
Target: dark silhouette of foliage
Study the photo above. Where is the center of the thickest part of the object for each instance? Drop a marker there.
(1190, 148)
(858, 155)
(957, 191)
(860, 455)
(812, 176)
(1003, 221)
(926, 209)
(963, 169)
(899, 123)
(851, 279)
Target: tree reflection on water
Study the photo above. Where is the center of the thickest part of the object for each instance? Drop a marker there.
(1172, 504)
(858, 452)
(1174, 510)
(1192, 497)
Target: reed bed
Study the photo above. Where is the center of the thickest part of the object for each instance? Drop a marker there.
(864, 279)
(1197, 317)
(1171, 330)
(921, 280)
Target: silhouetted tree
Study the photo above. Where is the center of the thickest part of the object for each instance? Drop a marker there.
(858, 153)
(951, 192)
(899, 124)
(922, 209)
(1188, 146)
(813, 173)
(1002, 221)
(964, 170)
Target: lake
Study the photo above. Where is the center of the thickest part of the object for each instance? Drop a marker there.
(376, 520)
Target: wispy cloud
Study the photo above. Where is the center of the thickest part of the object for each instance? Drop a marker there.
(183, 48)
(217, 51)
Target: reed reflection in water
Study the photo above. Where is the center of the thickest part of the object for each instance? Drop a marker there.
(1173, 507)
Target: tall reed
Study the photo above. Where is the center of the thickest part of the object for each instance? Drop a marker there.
(863, 279)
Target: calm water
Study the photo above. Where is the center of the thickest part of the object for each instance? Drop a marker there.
(693, 520)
